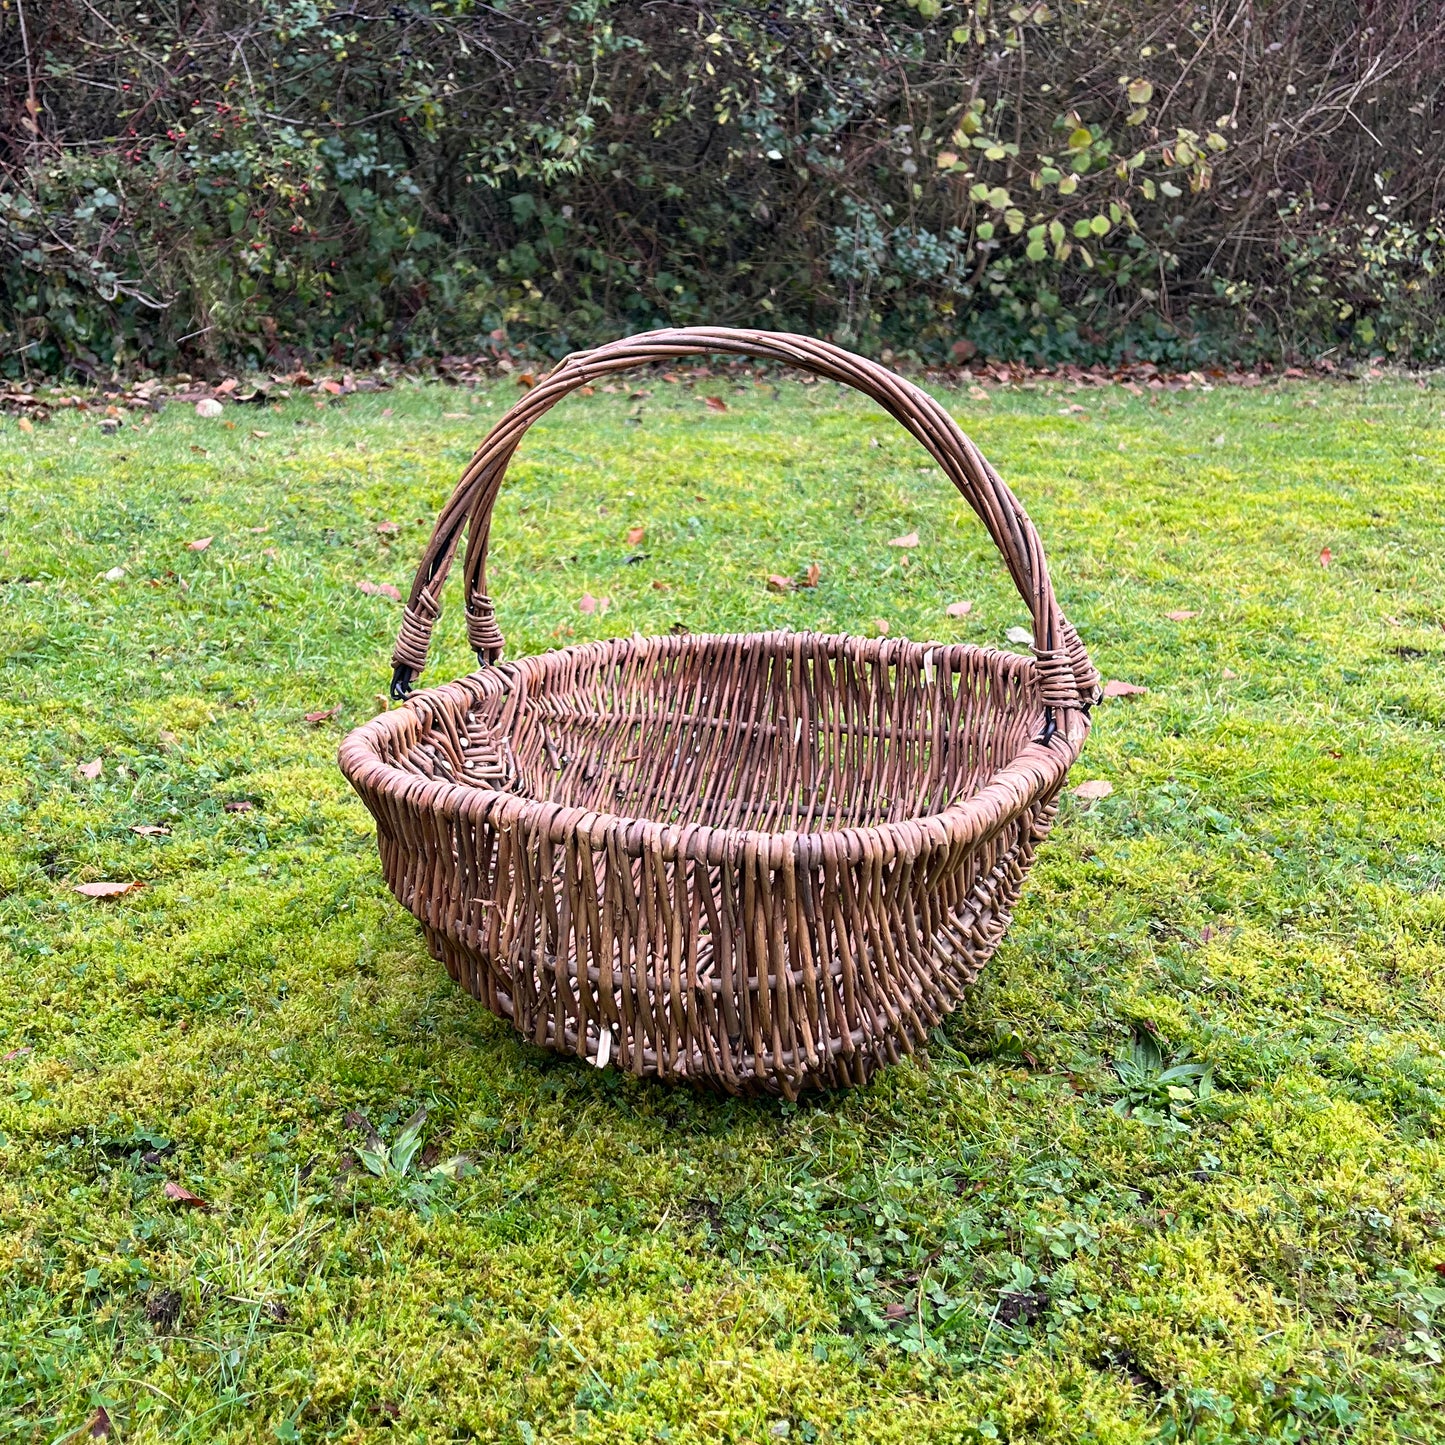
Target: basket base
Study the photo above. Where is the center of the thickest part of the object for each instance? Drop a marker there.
(955, 953)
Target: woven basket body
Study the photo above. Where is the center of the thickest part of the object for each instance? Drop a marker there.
(759, 862)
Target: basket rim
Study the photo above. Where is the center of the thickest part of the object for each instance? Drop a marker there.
(1036, 771)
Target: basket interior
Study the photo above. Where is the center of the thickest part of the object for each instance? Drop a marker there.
(770, 732)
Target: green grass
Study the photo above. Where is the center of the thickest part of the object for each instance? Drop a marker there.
(1069, 1251)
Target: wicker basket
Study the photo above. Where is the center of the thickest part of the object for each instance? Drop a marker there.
(757, 862)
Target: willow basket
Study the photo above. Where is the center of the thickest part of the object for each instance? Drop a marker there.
(759, 862)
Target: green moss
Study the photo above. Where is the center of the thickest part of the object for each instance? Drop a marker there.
(1065, 1260)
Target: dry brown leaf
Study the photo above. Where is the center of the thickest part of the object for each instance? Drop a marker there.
(1115, 688)
(107, 889)
(17, 1054)
(26, 425)
(1207, 933)
(959, 609)
(1326, 557)
(908, 539)
(1182, 615)
(90, 771)
(455, 416)
(370, 588)
(98, 1426)
(331, 388)
(151, 830)
(387, 589)
(315, 718)
(526, 379)
(589, 604)
(979, 394)
(179, 1194)
(778, 583)
(201, 451)
(714, 403)
(1094, 789)
(635, 535)
(812, 576)
(880, 626)
(227, 386)
(896, 1311)
(258, 433)
(1229, 674)
(658, 585)
(240, 805)
(200, 544)
(388, 529)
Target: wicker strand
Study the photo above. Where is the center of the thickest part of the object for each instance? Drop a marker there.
(414, 640)
(482, 630)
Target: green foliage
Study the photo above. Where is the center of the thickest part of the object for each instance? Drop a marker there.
(273, 178)
(1031, 1235)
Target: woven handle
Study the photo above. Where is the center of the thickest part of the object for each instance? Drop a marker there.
(1067, 677)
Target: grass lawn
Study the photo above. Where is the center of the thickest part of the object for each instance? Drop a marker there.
(1030, 1235)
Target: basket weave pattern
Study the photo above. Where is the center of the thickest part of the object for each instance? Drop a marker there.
(760, 862)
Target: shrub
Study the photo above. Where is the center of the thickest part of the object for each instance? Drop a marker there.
(250, 179)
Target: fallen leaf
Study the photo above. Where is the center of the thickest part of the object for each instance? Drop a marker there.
(526, 379)
(456, 416)
(379, 589)
(151, 830)
(1019, 634)
(658, 585)
(99, 1425)
(896, 1311)
(979, 394)
(258, 434)
(331, 388)
(388, 529)
(1325, 557)
(388, 590)
(26, 425)
(1094, 789)
(908, 539)
(386, 411)
(635, 535)
(959, 609)
(1115, 688)
(1207, 933)
(91, 770)
(179, 1194)
(228, 386)
(107, 889)
(589, 604)
(116, 574)
(200, 450)
(714, 403)
(208, 407)
(240, 805)
(1229, 674)
(320, 717)
(880, 626)
(200, 544)
(812, 576)
(778, 583)
(17, 1054)
(1183, 615)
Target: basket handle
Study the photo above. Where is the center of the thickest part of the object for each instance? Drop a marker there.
(1068, 681)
